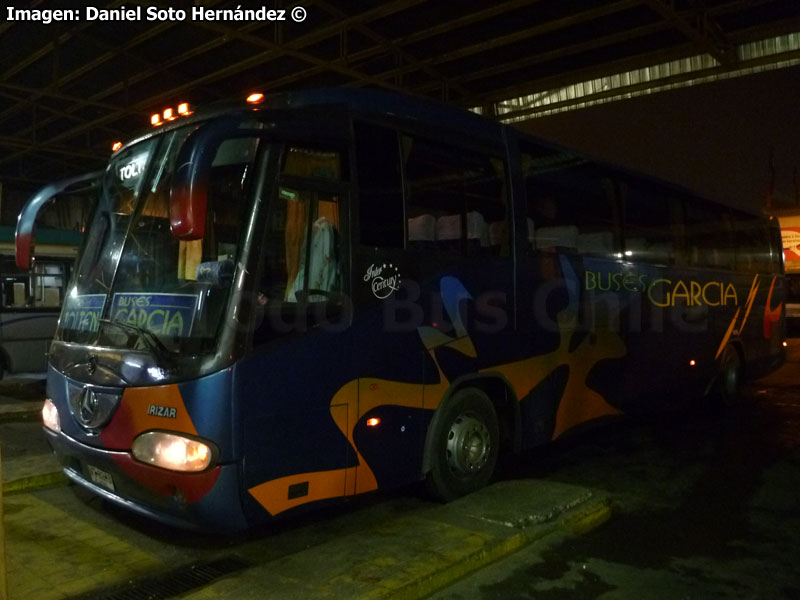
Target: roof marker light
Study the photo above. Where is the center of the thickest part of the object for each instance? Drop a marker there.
(255, 98)
(183, 109)
(169, 114)
(116, 146)
(155, 119)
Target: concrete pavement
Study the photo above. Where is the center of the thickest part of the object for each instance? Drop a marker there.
(27, 463)
(54, 554)
(414, 555)
(31, 466)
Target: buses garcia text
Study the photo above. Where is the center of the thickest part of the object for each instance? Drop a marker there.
(664, 292)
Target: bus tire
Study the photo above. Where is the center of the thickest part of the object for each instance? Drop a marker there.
(728, 387)
(463, 445)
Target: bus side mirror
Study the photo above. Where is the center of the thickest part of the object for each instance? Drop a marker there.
(26, 220)
(189, 192)
(189, 189)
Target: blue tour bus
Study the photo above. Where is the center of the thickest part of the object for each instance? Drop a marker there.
(311, 295)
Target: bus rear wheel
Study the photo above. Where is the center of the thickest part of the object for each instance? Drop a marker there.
(728, 386)
(464, 445)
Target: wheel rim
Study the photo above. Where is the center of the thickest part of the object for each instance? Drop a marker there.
(468, 445)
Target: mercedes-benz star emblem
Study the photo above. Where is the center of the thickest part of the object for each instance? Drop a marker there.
(87, 406)
(92, 408)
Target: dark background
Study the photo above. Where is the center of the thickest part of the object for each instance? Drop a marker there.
(715, 138)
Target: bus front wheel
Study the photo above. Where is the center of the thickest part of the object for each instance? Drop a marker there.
(463, 445)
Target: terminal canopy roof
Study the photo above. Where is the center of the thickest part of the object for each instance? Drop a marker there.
(68, 89)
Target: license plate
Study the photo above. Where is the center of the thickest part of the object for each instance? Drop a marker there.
(100, 477)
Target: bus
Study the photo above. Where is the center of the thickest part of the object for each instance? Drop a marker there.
(306, 296)
(30, 300)
(789, 220)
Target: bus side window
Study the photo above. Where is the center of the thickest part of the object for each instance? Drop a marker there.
(571, 205)
(303, 246)
(15, 291)
(380, 186)
(709, 237)
(456, 199)
(776, 247)
(313, 256)
(49, 283)
(752, 244)
(43, 287)
(649, 224)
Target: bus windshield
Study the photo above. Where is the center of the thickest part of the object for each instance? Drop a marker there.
(135, 273)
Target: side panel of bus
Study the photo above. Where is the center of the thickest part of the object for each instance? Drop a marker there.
(29, 310)
(433, 285)
(790, 234)
(565, 290)
(654, 285)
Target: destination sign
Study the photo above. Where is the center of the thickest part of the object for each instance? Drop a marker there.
(82, 313)
(163, 314)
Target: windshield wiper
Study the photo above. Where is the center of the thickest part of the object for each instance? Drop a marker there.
(148, 338)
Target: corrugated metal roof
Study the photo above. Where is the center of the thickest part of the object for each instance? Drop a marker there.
(70, 88)
(752, 57)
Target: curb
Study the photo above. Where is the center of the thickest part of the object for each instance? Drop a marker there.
(492, 552)
(413, 556)
(588, 518)
(20, 416)
(582, 521)
(27, 484)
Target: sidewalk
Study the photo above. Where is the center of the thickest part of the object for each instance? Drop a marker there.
(407, 556)
(33, 466)
(413, 556)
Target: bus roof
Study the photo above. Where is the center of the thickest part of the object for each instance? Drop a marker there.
(393, 105)
(366, 102)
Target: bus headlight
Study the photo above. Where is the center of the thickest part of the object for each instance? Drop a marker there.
(50, 416)
(171, 451)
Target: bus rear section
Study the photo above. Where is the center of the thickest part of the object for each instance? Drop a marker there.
(790, 232)
(793, 304)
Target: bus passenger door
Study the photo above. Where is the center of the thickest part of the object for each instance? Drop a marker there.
(299, 383)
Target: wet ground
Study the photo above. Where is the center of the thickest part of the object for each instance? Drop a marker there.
(707, 505)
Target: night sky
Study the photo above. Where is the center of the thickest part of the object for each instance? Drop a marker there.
(714, 138)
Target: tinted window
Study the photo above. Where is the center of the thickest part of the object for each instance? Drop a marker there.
(381, 213)
(752, 244)
(456, 199)
(650, 224)
(571, 203)
(709, 235)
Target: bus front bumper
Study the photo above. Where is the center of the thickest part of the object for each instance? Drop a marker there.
(208, 501)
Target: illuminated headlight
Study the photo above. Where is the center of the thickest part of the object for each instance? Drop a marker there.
(171, 451)
(50, 416)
